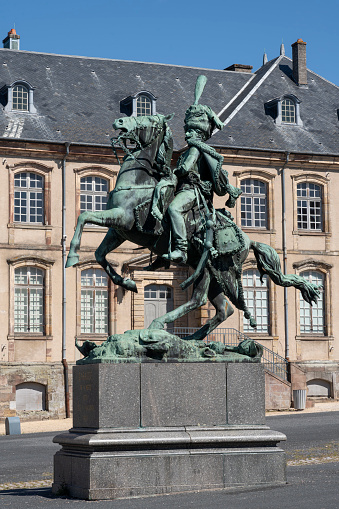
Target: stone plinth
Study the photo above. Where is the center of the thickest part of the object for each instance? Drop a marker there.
(143, 429)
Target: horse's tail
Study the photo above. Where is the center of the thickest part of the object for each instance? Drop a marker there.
(269, 263)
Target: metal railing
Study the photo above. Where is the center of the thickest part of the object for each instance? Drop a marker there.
(272, 362)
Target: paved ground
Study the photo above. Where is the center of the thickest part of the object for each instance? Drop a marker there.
(313, 459)
(62, 424)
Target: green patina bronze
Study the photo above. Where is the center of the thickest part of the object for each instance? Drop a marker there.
(171, 213)
(147, 345)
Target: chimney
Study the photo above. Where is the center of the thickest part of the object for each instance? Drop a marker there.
(239, 68)
(299, 62)
(12, 41)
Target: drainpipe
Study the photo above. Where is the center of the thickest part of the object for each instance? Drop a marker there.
(63, 243)
(283, 197)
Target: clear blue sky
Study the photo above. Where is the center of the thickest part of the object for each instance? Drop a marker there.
(212, 34)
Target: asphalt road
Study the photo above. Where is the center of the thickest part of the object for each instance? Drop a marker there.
(312, 449)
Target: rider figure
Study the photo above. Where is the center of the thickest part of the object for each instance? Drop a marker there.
(199, 174)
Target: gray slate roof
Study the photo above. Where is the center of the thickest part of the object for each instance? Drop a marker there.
(78, 98)
(253, 127)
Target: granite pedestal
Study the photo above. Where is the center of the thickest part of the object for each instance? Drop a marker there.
(150, 428)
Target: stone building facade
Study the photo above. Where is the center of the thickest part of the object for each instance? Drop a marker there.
(280, 145)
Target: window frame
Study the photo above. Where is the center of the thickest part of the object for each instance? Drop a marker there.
(146, 106)
(28, 288)
(93, 289)
(10, 90)
(41, 170)
(266, 289)
(323, 182)
(29, 190)
(111, 329)
(24, 93)
(46, 266)
(308, 199)
(129, 104)
(92, 171)
(252, 196)
(304, 305)
(326, 270)
(268, 179)
(275, 107)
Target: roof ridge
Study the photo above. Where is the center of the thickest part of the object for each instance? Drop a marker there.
(252, 89)
(5, 50)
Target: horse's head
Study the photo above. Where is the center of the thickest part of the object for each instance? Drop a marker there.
(142, 130)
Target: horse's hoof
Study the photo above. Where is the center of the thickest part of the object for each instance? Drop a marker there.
(129, 284)
(72, 260)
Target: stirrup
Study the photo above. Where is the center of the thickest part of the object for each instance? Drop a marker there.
(177, 256)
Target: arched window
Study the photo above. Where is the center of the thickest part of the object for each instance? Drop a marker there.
(309, 206)
(253, 204)
(93, 193)
(144, 105)
(94, 301)
(28, 198)
(312, 318)
(158, 300)
(256, 297)
(29, 300)
(288, 111)
(20, 98)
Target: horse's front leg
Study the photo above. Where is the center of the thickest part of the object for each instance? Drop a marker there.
(223, 310)
(199, 298)
(111, 241)
(109, 218)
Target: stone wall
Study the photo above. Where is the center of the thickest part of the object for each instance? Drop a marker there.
(326, 371)
(50, 375)
(277, 393)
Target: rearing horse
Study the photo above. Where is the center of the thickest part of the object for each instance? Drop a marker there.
(128, 216)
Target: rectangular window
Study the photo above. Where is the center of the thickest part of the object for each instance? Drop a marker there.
(28, 198)
(309, 206)
(256, 297)
(94, 302)
(29, 300)
(253, 204)
(312, 317)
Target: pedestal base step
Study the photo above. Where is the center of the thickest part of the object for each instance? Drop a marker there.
(140, 462)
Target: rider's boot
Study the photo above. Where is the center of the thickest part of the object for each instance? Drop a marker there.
(179, 255)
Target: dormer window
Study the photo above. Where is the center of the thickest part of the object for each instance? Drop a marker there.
(18, 97)
(140, 104)
(285, 110)
(288, 111)
(144, 105)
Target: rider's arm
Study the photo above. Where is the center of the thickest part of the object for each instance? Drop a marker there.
(189, 163)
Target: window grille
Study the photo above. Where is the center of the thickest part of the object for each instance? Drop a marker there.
(253, 204)
(93, 194)
(29, 300)
(256, 297)
(20, 98)
(94, 302)
(28, 198)
(312, 317)
(144, 105)
(288, 111)
(309, 206)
